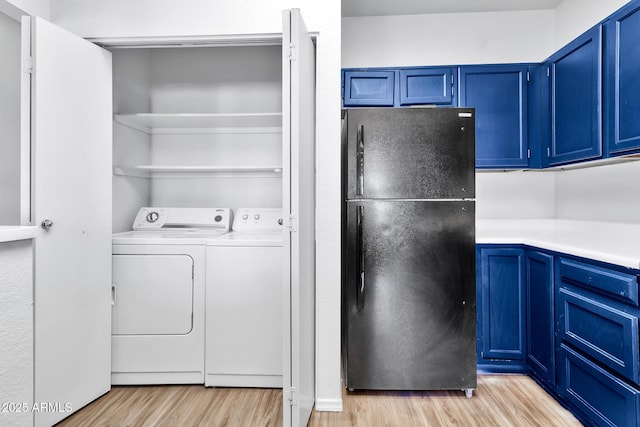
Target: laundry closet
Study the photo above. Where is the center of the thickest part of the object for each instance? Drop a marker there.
(196, 128)
(179, 123)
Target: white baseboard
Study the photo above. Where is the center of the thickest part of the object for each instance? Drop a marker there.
(329, 405)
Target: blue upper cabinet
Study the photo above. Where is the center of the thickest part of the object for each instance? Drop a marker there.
(622, 80)
(576, 99)
(434, 86)
(499, 95)
(369, 88)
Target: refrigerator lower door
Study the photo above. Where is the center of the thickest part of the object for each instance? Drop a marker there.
(409, 295)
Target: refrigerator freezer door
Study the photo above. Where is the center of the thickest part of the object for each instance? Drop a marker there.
(410, 295)
(410, 153)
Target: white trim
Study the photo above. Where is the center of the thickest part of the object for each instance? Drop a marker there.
(329, 405)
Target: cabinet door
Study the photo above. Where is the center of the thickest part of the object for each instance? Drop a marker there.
(298, 200)
(428, 86)
(576, 98)
(71, 147)
(369, 88)
(540, 315)
(502, 303)
(499, 95)
(621, 82)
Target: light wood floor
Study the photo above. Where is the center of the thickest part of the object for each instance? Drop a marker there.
(500, 400)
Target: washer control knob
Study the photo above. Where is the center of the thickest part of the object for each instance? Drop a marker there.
(152, 216)
(218, 218)
(245, 216)
(256, 217)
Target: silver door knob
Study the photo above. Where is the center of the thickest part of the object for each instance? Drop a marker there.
(46, 224)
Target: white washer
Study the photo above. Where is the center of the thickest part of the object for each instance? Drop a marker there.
(158, 295)
(244, 322)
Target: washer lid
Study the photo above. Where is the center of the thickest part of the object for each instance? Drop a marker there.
(157, 218)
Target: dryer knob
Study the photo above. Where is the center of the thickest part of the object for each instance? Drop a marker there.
(256, 217)
(245, 216)
(152, 216)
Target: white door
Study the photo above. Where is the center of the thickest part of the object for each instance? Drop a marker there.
(71, 187)
(299, 203)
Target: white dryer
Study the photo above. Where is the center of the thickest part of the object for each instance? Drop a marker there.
(244, 302)
(158, 295)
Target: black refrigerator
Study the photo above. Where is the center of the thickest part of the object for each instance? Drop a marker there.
(408, 273)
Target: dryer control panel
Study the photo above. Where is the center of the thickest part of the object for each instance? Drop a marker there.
(155, 218)
(258, 219)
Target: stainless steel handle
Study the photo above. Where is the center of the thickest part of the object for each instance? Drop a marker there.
(360, 256)
(46, 224)
(360, 162)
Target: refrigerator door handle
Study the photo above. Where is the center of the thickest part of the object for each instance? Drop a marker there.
(360, 257)
(360, 162)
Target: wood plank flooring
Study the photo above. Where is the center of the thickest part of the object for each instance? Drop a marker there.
(500, 400)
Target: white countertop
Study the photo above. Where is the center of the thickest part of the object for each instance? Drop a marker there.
(10, 233)
(615, 243)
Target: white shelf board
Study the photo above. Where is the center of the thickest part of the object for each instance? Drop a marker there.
(185, 122)
(147, 171)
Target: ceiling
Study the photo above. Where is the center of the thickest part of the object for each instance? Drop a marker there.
(416, 7)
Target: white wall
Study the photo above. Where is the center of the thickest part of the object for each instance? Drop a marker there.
(603, 193)
(16, 331)
(16, 8)
(447, 39)
(515, 195)
(9, 121)
(573, 17)
(120, 18)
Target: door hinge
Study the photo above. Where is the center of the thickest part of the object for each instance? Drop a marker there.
(548, 72)
(548, 152)
(27, 66)
(291, 223)
(291, 396)
(528, 153)
(528, 76)
(293, 52)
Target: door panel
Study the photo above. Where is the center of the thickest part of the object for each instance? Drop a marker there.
(411, 315)
(153, 294)
(299, 203)
(71, 186)
(388, 148)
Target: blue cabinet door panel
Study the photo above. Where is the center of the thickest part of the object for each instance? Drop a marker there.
(540, 315)
(499, 95)
(605, 333)
(427, 86)
(622, 85)
(605, 399)
(576, 100)
(503, 303)
(368, 88)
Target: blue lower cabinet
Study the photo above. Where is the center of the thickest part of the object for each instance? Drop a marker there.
(604, 332)
(602, 398)
(540, 316)
(501, 319)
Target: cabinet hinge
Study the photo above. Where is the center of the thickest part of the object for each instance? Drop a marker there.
(528, 76)
(528, 153)
(548, 72)
(291, 223)
(27, 66)
(293, 52)
(548, 152)
(291, 395)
